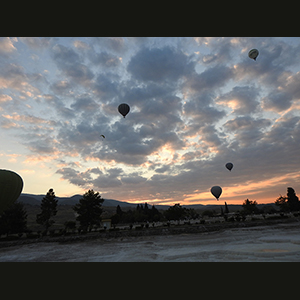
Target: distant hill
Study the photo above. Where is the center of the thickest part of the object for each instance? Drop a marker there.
(32, 199)
(28, 199)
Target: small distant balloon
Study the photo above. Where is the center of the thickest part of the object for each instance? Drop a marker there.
(123, 109)
(229, 166)
(216, 191)
(11, 185)
(253, 54)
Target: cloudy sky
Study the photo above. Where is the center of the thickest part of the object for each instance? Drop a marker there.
(196, 104)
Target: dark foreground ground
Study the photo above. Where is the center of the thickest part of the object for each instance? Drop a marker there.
(249, 241)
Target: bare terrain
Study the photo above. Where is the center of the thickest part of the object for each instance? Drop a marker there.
(277, 242)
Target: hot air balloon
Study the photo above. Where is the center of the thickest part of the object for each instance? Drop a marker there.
(216, 191)
(253, 53)
(11, 185)
(123, 109)
(229, 166)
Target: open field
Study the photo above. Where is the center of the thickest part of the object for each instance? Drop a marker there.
(276, 242)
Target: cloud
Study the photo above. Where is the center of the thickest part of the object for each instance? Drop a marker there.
(28, 119)
(36, 43)
(202, 113)
(58, 104)
(64, 56)
(61, 87)
(138, 94)
(277, 101)
(102, 181)
(81, 45)
(13, 76)
(163, 169)
(116, 44)
(212, 78)
(5, 98)
(73, 176)
(7, 46)
(247, 130)
(159, 64)
(7, 124)
(84, 103)
(107, 88)
(285, 132)
(274, 60)
(221, 51)
(196, 103)
(105, 59)
(241, 99)
(71, 64)
(287, 92)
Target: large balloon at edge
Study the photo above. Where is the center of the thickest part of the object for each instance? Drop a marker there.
(229, 166)
(216, 191)
(11, 185)
(123, 109)
(253, 53)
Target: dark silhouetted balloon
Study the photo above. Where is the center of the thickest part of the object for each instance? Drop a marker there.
(229, 166)
(253, 53)
(123, 109)
(216, 191)
(11, 185)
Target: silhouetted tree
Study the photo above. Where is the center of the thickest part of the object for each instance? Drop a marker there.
(282, 203)
(175, 212)
(250, 207)
(70, 225)
(13, 219)
(208, 212)
(140, 214)
(292, 199)
(119, 211)
(146, 207)
(155, 215)
(226, 208)
(191, 213)
(48, 207)
(89, 210)
(290, 202)
(117, 217)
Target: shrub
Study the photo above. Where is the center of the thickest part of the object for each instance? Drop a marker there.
(139, 227)
(238, 218)
(51, 232)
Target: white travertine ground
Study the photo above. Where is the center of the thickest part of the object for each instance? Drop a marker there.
(263, 243)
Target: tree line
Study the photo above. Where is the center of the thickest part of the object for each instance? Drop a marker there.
(143, 213)
(89, 209)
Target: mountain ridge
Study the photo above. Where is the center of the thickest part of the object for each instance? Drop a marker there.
(33, 199)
